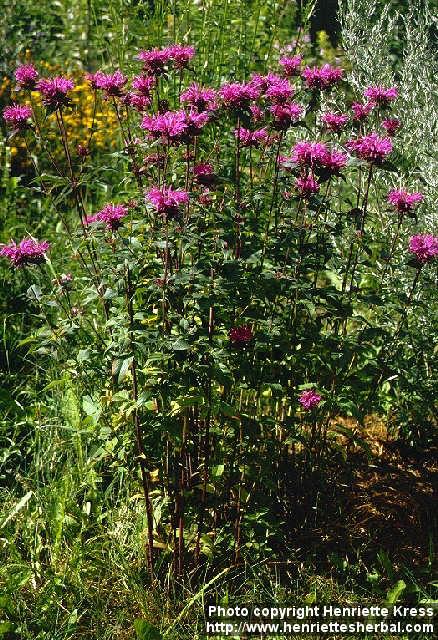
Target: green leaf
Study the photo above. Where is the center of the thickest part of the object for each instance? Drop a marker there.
(91, 408)
(180, 345)
(394, 594)
(146, 631)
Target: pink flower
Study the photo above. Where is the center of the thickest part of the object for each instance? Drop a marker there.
(291, 66)
(403, 201)
(26, 76)
(111, 215)
(95, 79)
(334, 121)
(391, 126)
(238, 96)
(306, 186)
(286, 115)
(154, 60)
(195, 122)
(279, 90)
(332, 162)
(199, 98)
(175, 126)
(322, 77)
(143, 84)
(111, 83)
(170, 125)
(54, 91)
(361, 111)
(309, 399)
(256, 112)
(17, 116)
(371, 148)
(317, 156)
(180, 54)
(167, 200)
(27, 252)
(241, 335)
(381, 95)
(252, 138)
(204, 173)
(308, 153)
(424, 247)
(138, 102)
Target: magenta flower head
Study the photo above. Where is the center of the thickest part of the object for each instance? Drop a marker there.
(424, 247)
(308, 153)
(371, 148)
(180, 54)
(322, 77)
(240, 335)
(286, 115)
(54, 91)
(26, 76)
(334, 121)
(291, 66)
(111, 83)
(143, 84)
(235, 95)
(391, 126)
(204, 174)
(111, 215)
(17, 116)
(306, 186)
(279, 90)
(27, 252)
(138, 102)
(361, 111)
(381, 95)
(256, 112)
(319, 158)
(170, 126)
(195, 122)
(331, 163)
(154, 60)
(403, 201)
(199, 98)
(309, 399)
(167, 200)
(252, 138)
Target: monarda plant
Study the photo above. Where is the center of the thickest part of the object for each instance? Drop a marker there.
(220, 304)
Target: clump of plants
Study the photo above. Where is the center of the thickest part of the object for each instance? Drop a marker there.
(252, 277)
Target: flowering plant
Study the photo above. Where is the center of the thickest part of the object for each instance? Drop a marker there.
(243, 256)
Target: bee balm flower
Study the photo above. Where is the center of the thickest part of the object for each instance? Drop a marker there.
(424, 247)
(334, 121)
(403, 201)
(241, 335)
(391, 126)
(54, 91)
(291, 66)
(371, 148)
(17, 116)
(309, 399)
(322, 77)
(26, 76)
(381, 95)
(167, 200)
(111, 215)
(27, 252)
